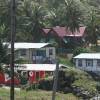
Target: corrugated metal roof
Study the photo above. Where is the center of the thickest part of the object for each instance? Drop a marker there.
(25, 45)
(63, 31)
(88, 56)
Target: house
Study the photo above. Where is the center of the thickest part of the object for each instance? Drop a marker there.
(34, 52)
(63, 36)
(38, 58)
(32, 73)
(88, 61)
(38, 72)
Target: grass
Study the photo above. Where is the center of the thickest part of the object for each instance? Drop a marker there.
(35, 95)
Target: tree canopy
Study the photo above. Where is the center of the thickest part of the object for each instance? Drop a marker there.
(32, 15)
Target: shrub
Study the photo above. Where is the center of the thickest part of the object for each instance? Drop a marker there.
(80, 50)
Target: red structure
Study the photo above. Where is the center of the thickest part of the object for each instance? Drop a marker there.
(35, 77)
(7, 80)
(63, 36)
(2, 78)
(63, 31)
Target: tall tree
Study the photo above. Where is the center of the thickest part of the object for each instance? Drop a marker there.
(5, 18)
(93, 26)
(32, 19)
(73, 15)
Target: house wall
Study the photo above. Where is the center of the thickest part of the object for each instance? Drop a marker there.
(53, 54)
(29, 54)
(24, 57)
(88, 68)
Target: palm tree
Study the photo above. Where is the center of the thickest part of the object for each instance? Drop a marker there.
(93, 27)
(73, 15)
(5, 18)
(31, 20)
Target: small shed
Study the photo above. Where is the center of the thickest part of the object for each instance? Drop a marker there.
(88, 61)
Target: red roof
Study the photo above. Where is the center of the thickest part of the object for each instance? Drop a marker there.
(63, 31)
(46, 30)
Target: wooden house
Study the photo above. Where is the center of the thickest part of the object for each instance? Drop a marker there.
(88, 61)
(34, 52)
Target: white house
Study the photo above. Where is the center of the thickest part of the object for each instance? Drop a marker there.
(88, 61)
(34, 52)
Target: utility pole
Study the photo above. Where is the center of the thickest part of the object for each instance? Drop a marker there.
(55, 80)
(13, 30)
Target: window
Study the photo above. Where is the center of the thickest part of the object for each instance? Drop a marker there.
(89, 62)
(41, 53)
(98, 63)
(50, 51)
(80, 62)
(23, 52)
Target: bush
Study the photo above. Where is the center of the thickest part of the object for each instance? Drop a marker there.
(77, 81)
(98, 87)
(46, 84)
(80, 50)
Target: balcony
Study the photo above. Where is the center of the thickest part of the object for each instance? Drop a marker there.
(42, 60)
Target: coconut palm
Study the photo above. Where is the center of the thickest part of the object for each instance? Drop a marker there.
(73, 15)
(93, 27)
(5, 18)
(31, 20)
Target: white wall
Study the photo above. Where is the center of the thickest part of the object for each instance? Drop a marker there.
(28, 57)
(84, 67)
(53, 56)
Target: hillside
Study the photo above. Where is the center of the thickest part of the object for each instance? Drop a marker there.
(81, 83)
(76, 81)
(32, 15)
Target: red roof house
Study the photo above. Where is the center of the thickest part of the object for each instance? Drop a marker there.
(63, 36)
(63, 31)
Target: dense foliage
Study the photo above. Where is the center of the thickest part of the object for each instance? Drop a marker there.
(80, 50)
(32, 15)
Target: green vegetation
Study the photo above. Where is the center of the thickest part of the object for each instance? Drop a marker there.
(95, 48)
(77, 78)
(32, 15)
(83, 80)
(65, 61)
(81, 50)
(79, 82)
(35, 95)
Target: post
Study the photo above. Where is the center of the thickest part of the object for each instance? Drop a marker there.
(13, 29)
(55, 80)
